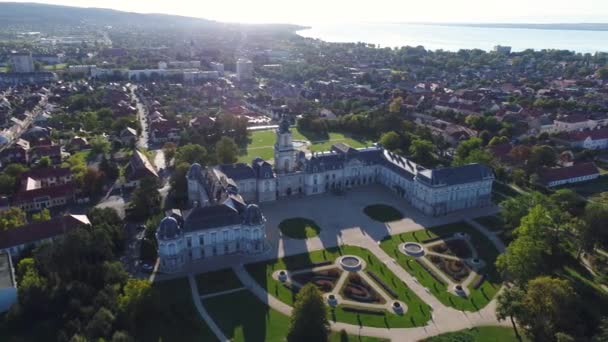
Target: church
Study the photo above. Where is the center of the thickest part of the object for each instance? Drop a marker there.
(225, 220)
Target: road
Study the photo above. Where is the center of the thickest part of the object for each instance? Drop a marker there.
(141, 115)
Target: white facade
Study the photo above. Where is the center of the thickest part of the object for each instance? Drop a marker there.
(244, 69)
(22, 62)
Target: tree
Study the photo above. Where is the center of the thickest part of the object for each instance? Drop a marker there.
(390, 140)
(602, 332)
(510, 304)
(470, 151)
(100, 144)
(43, 215)
(541, 156)
(179, 184)
(522, 260)
(226, 150)
(93, 182)
(421, 152)
(568, 201)
(395, 105)
(596, 218)
(44, 162)
(520, 153)
(7, 184)
(12, 218)
(191, 153)
(514, 208)
(135, 296)
(146, 199)
(169, 150)
(548, 303)
(603, 73)
(101, 323)
(309, 317)
(498, 141)
(109, 168)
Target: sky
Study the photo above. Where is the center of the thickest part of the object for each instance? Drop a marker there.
(309, 12)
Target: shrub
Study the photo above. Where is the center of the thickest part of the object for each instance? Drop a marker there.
(386, 288)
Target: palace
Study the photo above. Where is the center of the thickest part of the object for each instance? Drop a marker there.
(221, 222)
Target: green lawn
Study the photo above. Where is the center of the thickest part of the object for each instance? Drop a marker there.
(217, 281)
(382, 213)
(479, 334)
(418, 312)
(478, 298)
(262, 143)
(55, 67)
(256, 322)
(176, 317)
(299, 228)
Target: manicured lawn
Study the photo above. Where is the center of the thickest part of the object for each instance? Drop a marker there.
(382, 213)
(262, 143)
(418, 312)
(479, 334)
(60, 66)
(478, 298)
(177, 317)
(299, 228)
(217, 281)
(492, 222)
(256, 321)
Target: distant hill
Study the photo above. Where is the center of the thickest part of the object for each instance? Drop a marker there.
(34, 14)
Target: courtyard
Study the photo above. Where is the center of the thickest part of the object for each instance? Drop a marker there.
(351, 246)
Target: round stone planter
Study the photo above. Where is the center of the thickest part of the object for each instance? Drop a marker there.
(397, 307)
(412, 249)
(461, 235)
(332, 300)
(351, 263)
(282, 276)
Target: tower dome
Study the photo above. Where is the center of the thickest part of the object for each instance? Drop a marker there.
(168, 229)
(253, 215)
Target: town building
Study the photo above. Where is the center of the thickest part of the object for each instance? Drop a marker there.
(576, 173)
(244, 69)
(22, 62)
(139, 168)
(8, 284)
(219, 67)
(15, 241)
(220, 221)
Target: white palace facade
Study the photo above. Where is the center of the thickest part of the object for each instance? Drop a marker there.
(221, 222)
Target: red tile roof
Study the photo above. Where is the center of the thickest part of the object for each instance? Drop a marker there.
(37, 231)
(64, 190)
(595, 134)
(577, 170)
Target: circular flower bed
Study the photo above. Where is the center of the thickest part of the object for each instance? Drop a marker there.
(299, 228)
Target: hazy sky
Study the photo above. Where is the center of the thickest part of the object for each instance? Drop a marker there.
(324, 11)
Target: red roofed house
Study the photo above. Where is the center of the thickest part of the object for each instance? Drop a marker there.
(51, 151)
(163, 131)
(14, 241)
(44, 188)
(595, 139)
(139, 168)
(566, 175)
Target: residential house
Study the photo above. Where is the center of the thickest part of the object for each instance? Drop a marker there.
(15, 241)
(128, 136)
(139, 168)
(567, 175)
(595, 139)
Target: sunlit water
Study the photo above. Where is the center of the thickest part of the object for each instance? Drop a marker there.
(454, 38)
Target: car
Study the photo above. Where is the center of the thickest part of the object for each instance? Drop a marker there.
(147, 267)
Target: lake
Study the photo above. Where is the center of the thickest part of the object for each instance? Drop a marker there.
(454, 38)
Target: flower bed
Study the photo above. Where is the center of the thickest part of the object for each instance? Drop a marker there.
(386, 288)
(368, 311)
(435, 276)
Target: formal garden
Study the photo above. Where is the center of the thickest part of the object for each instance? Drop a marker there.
(454, 262)
(261, 143)
(257, 322)
(299, 228)
(357, 287)
(382, 213)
